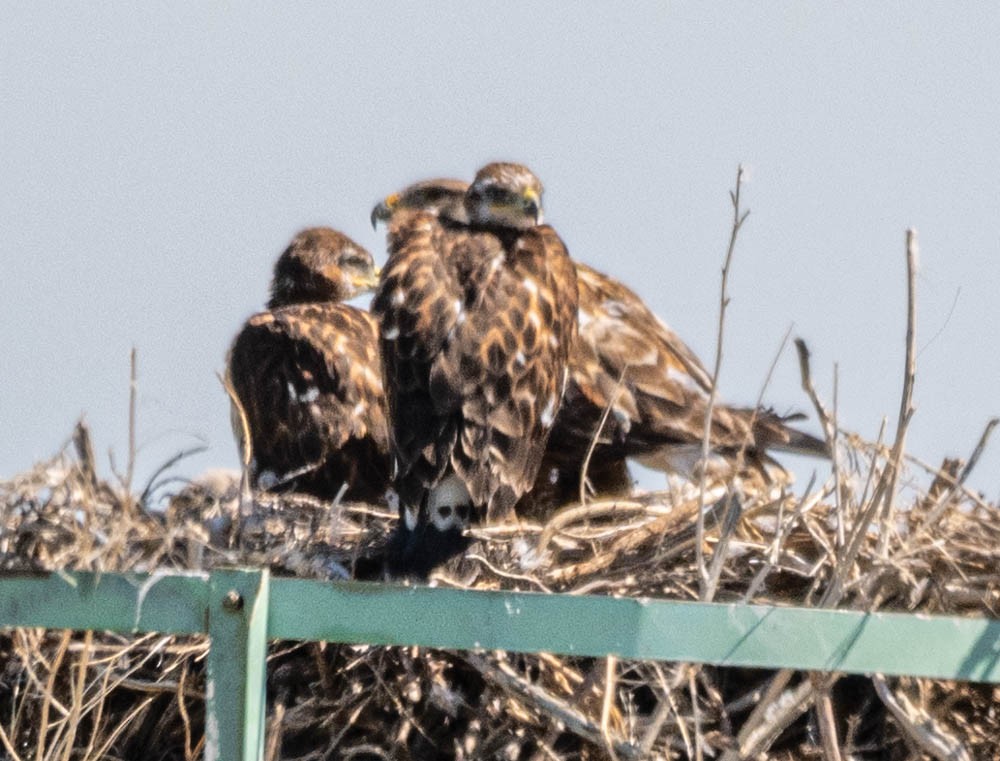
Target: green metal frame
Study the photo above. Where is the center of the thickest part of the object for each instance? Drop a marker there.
(241, 609)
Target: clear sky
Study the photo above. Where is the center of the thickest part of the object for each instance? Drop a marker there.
(155, 160)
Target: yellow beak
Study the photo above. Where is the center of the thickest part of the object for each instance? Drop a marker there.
(367, 282)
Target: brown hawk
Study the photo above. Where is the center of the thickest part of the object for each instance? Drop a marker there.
(628, 362)
(476, 317)
(306, 376)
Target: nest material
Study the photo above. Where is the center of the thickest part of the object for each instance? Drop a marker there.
(97, 695)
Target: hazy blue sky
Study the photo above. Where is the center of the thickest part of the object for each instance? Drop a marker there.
(155, 160)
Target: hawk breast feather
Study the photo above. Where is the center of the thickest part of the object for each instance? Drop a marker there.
(476, 327)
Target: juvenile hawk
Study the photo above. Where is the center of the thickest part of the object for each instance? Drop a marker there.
(628, 360)
(306, 374)
(477, 316)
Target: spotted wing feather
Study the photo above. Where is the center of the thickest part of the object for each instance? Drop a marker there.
(657, 391)
(308, 380)
(416, 305)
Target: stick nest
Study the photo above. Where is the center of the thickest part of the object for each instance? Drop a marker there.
(846, 543)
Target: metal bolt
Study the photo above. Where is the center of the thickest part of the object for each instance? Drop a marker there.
(233, 601)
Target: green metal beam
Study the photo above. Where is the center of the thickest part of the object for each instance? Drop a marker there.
(729, 635)
(170, 602)
(381, 614)
(237, 665)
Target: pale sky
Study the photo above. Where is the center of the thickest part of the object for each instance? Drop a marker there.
(155, 160)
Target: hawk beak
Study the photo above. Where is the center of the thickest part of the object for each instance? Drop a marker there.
(367, 282)
(533, 205)
(383, 211)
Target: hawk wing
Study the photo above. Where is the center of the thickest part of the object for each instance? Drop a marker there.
(628, 361)
(476, 330)
(417, 304)
(307, 377)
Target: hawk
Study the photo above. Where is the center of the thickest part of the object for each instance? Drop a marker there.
(627, 362)
(477, 315)
(305, 375)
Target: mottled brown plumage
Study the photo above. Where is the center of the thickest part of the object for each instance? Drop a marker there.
(657, 390)
(307, 377)
(656, 413)
(476, 321)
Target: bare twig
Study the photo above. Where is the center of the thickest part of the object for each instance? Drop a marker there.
(829, 424)
(942, 501)
(501, 674)
(919, 727)
(827, 725)
(48, 700)
(8, 745)
(608, 703)
(597, 434)
(699, 738)
(734, 505)
(152, 484)
(739, 217)
(78, 689)
(130, 467)
(771, 718)
(84, 446)
(906, 398)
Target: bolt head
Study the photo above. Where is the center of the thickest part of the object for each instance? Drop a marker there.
(233, 601)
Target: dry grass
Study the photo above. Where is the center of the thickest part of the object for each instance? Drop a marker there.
(91, 696)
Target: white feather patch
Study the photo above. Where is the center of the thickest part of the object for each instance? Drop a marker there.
(549, 413)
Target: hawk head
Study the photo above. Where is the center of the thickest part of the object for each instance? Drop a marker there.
(321, 264)
(441, 197)
(505, 195)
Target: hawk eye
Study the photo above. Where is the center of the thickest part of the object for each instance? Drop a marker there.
(354, 260)
(495, 193)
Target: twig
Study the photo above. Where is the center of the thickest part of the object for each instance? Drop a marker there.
(273, 744)
(151, 484)
(608, 702)
(182, 710)
(838, 495)
(238, 414)
(244, 442)
(501, 674)
(96, 722)
(699, 739)
(8, 746)
(84, 446)
(738, 219)
(827, 724)
(667, 706)
(130, 467)
(906, 399)
(571, 514)
(122, 724)
(944, 499)
(734, 505)
(78, 689)
(770, 718)
(43, 724)
(829, 425)
(597, 434)
(920, 727)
